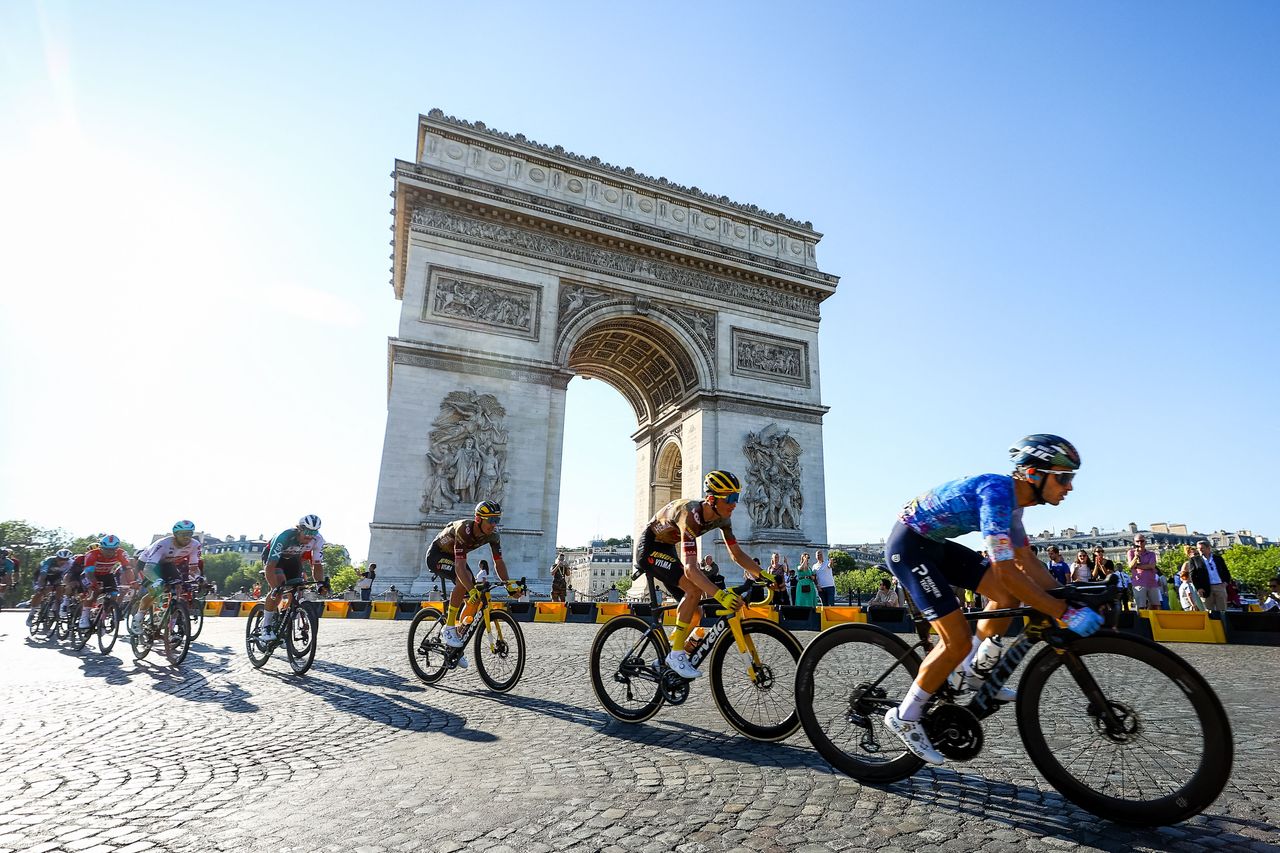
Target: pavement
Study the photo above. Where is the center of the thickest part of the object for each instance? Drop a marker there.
(102, 754)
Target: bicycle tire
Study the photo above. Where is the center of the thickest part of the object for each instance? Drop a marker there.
(836, 703)
(258, 654)
(38, 626)
(197, 619)
(770, 687)
(62, 630)
(301, 638)
(177, 633)
(80, 636)
(425, 646)
(606, 673)
(1199, 708)
(492, 652)
(108, 628)
(142, 641)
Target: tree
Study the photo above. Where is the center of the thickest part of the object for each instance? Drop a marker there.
(1170, 562)
(220, 567)
(841, 561)
(623, 585)
(343, 579)
(1253, 568)
(335, 557)
(859, 581)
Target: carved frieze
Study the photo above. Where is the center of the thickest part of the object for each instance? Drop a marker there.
(510, 238)
(764, 356)
(467, 455)
(495, 305)
(772, 494)
(576, 298)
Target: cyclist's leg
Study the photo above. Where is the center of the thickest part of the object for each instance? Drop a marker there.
(462, 583)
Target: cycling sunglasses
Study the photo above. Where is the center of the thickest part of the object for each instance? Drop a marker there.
(730, 499)
(1063, 477)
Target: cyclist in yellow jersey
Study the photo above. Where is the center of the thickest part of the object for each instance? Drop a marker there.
(679, 524)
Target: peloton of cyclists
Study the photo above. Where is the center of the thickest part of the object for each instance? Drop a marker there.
(921, 556)
(678, 525)
(48, 579)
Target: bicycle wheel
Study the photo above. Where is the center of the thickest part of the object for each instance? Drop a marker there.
(80, 636)
(846, 680)
(38, 624)
(141, 641)
(259, 652)
(300, 638)
(176, 629)
(500, 651)
(624, 668)
(62, 629)
(757, 699)
(197, 618)
(426, 646)
(1169, 755)
(108, 627)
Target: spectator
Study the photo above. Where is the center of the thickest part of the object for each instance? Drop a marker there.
(712, 571)
(884, 596)
(1081, 571)
(257, 590)
(826, 580)
(1142, 568)
(559, 578)
(365, 584)
(791, 579)
(1058, 567)
(1187, 594)
(1210, 576)
(524, 590)
(805, 592)
(778, 568)
(1272, 600)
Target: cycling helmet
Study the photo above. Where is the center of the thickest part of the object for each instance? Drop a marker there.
(62, 554)
(309, 522)
(1043, 451)
(721, 484)
(109, 542)
(184, 526)
(489, 509)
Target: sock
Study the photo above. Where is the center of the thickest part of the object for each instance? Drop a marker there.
(269, 619)
(451, 618)
(680, 635)
(912, 707)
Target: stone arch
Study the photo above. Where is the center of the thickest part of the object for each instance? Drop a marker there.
(667, 478)
(650, 362)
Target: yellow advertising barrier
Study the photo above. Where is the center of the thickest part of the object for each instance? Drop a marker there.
(606, 610)
(246, 606)
(839, 615)
(752, 611)
(335, 610)
(434, 605)
(383, 610)
(212, 608)
(1187, 626)
(549, 611)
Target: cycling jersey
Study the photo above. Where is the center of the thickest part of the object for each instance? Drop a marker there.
(464, 536)
(984, 503)
(49, 570)
(288, 545)
(8, 566)
(677, 522)
(76, 568)
(169, 552)
(102, 563)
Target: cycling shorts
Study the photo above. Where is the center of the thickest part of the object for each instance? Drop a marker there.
(927, 569)
(164, 572)
(440, 562)
(660, 560)
(104, 582)
(49, 579)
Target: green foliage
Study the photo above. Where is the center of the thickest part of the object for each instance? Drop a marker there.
(219, 567)
(1253, 568)
(343, 579)
(623, 585)
(31, 544)
(335, 557)
(859, 581)
(1170, 562)
(841, 561)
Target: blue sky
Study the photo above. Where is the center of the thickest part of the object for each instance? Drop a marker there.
(1048, 217)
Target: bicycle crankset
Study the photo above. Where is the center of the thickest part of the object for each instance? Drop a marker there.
(674, 687)
(954, 730)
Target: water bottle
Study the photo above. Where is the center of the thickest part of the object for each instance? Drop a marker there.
(988, 656)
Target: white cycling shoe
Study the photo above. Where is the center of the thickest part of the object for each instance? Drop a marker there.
(912, 734)
(679, 661)
(451, 637)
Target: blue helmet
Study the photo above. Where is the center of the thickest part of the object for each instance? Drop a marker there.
(109, 542)
(184, 526)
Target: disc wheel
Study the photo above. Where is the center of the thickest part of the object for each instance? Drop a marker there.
(108, 627)
(842, 694)
(177, 633)
(757, 697)
(259, 652)
(426, 645)
(624, 668)
(1164, 752)
(300, 639)
(500, 651)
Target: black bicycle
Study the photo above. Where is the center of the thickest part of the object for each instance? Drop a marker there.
(752, 668)
(166, 620)
(1120, 725)
(296, 625)
(498, 640)
(104, 621)
(45, 622)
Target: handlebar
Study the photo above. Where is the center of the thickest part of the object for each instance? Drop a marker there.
(1089, 593)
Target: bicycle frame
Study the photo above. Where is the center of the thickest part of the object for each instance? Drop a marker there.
(731, 621)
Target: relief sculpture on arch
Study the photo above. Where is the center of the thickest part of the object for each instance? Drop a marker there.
(467, 453)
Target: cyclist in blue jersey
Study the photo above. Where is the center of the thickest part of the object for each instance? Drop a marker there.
(48, 579)
(921, 556)
(285, 556)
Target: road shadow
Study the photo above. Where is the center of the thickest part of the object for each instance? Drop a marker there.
(374, 677)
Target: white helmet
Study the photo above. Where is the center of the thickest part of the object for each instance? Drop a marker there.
(62, 554)
(310, 522)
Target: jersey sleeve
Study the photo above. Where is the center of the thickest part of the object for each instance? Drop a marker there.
(317, 550)
(727, 533)
(495, 545)
(153, 552)
(277, 546)
(995, 517)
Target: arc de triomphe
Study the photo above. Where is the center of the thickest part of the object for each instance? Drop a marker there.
(520, 266)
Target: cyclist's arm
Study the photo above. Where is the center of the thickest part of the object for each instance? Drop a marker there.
(500, 565)
(1026, 589)
(740, 557)
(689, 550)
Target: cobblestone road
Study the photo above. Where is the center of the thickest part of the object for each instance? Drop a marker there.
(103, 754)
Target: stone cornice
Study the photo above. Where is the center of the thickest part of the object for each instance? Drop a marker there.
(459, 360)
(436, 118)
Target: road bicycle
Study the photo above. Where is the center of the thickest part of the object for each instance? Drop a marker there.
(297, 629)
(167, 621)
(1120, 725)
(45, 622)
(195, 597)
(752, 665)
(496, 636)
(104, 621)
